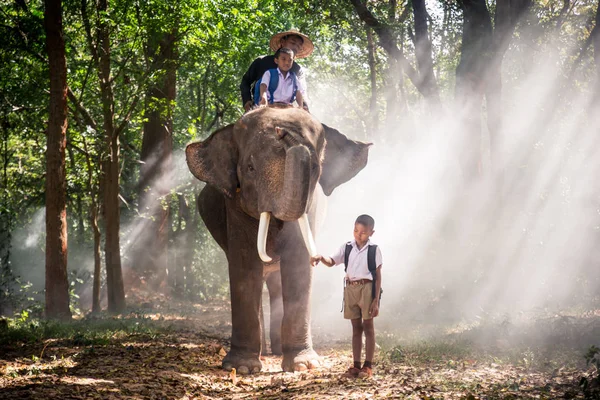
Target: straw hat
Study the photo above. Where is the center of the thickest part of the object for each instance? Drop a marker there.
(307, 45)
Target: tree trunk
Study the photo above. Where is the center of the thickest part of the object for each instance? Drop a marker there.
(388, 42)
(394, 79)
(112, 212)
(57, 284)
(508, 13)
(424, 55)
(96, 308)
(180, 242)
(479, 74)
(156, 169)
(475, 57)
(373, 75)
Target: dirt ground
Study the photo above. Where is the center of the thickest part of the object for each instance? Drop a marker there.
(183, 361)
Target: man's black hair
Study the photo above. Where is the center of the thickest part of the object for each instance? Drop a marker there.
(285, 50)
(286, 37)
(366, 220)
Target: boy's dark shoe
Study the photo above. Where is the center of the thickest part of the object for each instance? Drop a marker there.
(365, 372)
(351, 373)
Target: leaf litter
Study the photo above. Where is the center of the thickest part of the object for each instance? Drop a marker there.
(183, 362)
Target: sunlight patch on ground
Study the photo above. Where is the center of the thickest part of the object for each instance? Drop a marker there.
(73, 380)
(26, 367)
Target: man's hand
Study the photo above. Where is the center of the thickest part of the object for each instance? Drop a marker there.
(248, 105)
(374, 309)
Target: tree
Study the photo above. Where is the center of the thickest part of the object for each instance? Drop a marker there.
(57, 284)
(423, 52)
(478, 72)
(157, 147)
(101, 53)
(423, 81)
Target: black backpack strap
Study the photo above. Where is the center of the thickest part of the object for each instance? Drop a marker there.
(372, 262)
(347, 255)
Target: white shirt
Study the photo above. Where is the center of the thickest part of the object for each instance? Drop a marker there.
(285, 87)
(358, 264)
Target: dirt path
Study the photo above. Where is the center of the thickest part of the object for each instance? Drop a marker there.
(181, 360)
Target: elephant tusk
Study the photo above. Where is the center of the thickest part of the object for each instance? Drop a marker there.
(307, 235)
(261, 241)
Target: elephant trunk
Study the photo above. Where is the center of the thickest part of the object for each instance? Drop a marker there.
(292, 202)
(307, 235)
(263, 231)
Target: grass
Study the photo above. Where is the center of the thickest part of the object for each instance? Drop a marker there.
(98, 330)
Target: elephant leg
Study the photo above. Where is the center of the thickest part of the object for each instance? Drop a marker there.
(276, 311)
(211, 206)
(245, 281)
(296, 279)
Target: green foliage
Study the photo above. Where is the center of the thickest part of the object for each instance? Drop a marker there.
(93, 330)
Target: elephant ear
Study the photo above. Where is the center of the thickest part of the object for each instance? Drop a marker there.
(214, 160)
(344, 158)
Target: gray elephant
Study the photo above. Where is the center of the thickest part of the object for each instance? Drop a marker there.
(267, 177)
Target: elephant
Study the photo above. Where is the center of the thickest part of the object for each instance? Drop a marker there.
(266, 178)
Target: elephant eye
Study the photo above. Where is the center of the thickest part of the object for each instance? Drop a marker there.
(250, 168)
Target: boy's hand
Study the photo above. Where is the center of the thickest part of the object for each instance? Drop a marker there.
(263, 100)
(248, 105)
(374, 309)
(316, 259)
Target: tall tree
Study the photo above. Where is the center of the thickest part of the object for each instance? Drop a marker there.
(388, 42)
(101, 53)
(423, 52)
(156, 156)
(373, 74)
(478, 74)
(57, 284)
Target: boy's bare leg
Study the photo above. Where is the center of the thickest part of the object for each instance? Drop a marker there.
(369, 329)
(357, 331)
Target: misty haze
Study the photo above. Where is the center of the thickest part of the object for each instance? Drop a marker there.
(482, 179)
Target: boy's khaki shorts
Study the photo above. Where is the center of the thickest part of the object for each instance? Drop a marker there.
(357, 301)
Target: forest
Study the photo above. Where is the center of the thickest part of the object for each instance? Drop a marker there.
(482, 179)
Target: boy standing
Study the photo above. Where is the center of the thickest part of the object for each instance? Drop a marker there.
(361, 293)
(286, 85)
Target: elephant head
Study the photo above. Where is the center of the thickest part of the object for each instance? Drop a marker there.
(271, 161)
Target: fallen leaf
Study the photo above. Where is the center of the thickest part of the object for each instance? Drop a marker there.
(233, 376)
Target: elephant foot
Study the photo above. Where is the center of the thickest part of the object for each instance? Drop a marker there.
(243, 363)
(300, 361)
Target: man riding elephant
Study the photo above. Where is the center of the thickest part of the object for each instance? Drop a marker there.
(298, 42)
(267, 177)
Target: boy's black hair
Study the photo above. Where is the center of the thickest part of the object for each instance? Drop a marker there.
(285, 50)
(366, 220)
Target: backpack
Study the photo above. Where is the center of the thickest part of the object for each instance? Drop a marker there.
(371, 253)
(273, 83)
